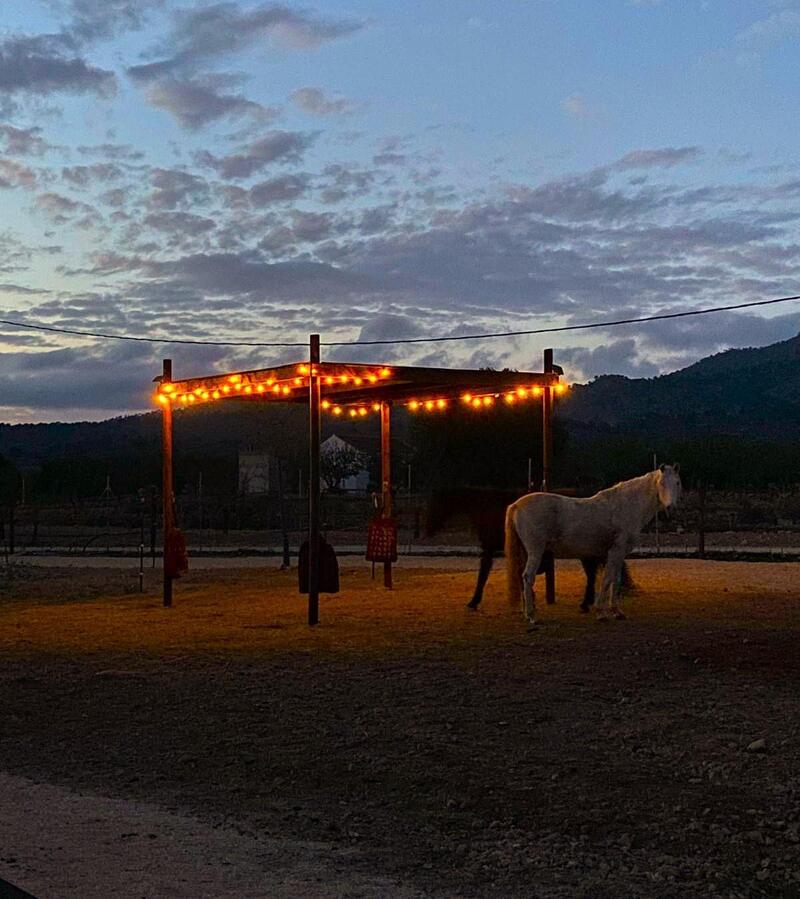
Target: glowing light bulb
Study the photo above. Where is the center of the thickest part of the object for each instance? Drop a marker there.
(191, 397)
(226, 389)
(298, 382)
(276, 389)
(385, 372)
(510, 398)
(234, 379)
(261, 388)
(376, 407)
(429, 405)
(167, 388)
(237, 386)
(337, 410)
(285, 391)
(441, 404)
(522, 392)
(329, 380)
(476, 402)
(303, 369)
(413, 405)
(488, 401)
(204, 395)
(184, 399)
(561, 389)
(215, 394)
(357, 381)
(467, 397)
(362, 411)
(372, 378)
(352, 413)
(248, 389)
(164, 400)
(536, 391)
(344, 379)
(326, 404)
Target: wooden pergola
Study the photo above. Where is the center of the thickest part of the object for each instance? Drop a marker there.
(353, 390)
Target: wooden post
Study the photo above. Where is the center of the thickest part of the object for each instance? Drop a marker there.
(313, 479)
(386, 476)
(701, 524)
(547, 458)
(166, 479)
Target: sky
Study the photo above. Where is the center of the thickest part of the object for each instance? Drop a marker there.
(253, 171)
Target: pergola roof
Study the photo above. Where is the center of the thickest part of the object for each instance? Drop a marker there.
(360, 387)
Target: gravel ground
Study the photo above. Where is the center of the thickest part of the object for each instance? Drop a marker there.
(440, 751)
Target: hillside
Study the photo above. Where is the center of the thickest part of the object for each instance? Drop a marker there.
(753, 393)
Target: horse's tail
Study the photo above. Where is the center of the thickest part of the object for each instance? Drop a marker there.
(515, 558)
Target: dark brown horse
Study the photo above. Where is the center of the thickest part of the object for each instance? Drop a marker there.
(485, 509)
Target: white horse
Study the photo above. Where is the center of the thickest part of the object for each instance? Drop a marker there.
(604, 526)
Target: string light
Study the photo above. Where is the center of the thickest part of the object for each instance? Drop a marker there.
(337, 410)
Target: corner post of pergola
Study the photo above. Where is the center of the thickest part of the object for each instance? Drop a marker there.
(313, 478)
(386, 476)
(167, 481)
(547, 459)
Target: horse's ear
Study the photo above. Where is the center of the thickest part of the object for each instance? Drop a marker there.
(676, 467)
(662, 467)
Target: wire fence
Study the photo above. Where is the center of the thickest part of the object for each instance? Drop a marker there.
(708, 521)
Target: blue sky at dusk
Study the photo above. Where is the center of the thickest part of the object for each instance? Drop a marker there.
(258, 171)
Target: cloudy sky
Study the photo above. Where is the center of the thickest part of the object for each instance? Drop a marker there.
(381, 169)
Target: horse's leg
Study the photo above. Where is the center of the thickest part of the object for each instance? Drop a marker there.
(487, 557)
(528, 581)
(590, 570)
(609, 589)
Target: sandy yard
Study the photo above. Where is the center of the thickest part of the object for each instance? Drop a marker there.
(406, 747)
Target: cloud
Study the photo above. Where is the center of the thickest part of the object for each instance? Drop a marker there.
(663, 158)
(274, 146)
(619, 357)
(314, 101)
(778, 26)
(180, 224)
(117, 152)
(60, 208)
(195, 103)
(15, 174)
(82, 176)
(43, 64)
(23, 141)
(221, 29)
(91, 20)
(575, 106)
(278, 190)
(174, 187)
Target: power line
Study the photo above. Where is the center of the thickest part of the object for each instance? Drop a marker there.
(586, 326)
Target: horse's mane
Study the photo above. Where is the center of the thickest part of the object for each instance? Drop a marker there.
(623, 487)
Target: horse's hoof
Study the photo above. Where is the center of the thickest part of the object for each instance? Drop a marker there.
(533, 626)
(473, 606)
(602, 619)
(584, 610)
(620, 616)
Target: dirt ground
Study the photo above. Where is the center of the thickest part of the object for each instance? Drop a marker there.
(409, 745)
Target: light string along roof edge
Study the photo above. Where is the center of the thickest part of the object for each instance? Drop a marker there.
(99, 335)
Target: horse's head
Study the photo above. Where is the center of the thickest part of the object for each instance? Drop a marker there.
(669, 487)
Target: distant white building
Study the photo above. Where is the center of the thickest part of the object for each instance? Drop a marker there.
(254, 468)
(357, 482)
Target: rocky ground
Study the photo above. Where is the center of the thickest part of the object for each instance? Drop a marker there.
(442, 753)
